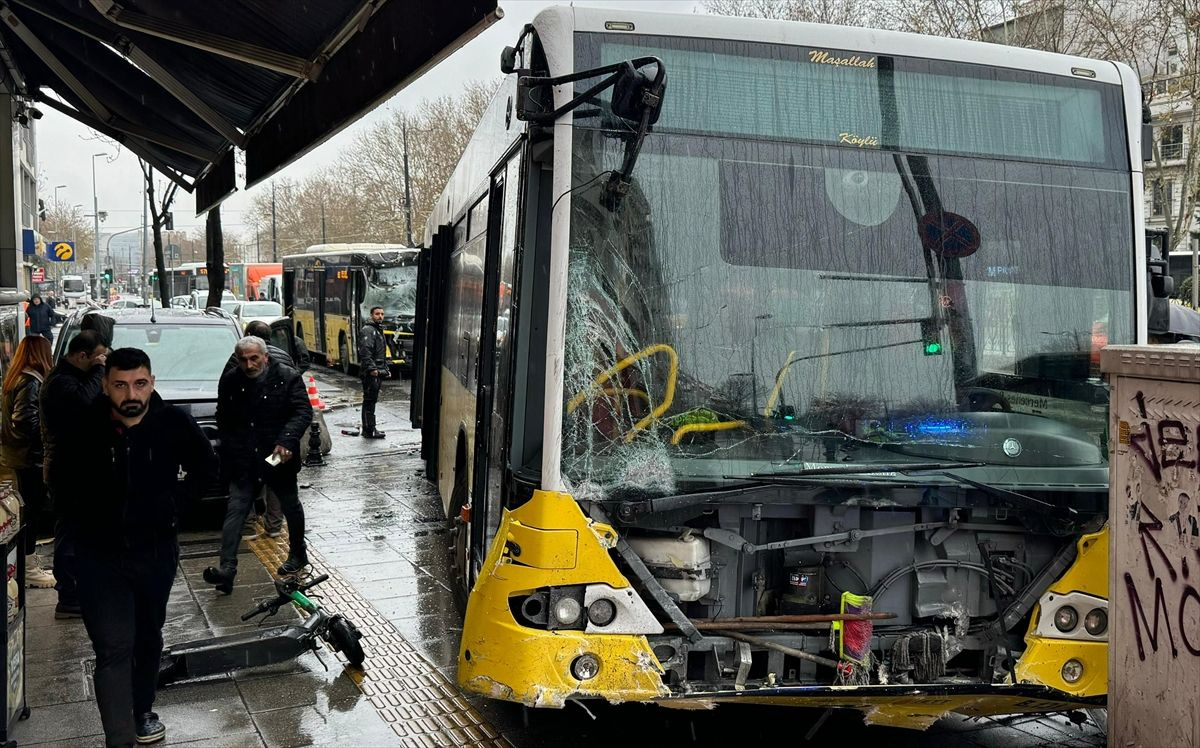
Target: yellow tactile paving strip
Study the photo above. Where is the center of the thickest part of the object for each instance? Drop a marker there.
(421, 705)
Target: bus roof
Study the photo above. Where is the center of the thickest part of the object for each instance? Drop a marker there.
(352, 247)
(796, 33)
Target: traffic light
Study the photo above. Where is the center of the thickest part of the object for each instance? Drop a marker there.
(169, 221)
(108, 275)
(931, 337)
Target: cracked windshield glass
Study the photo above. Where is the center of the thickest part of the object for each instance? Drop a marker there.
(394, 289)
(810, 269)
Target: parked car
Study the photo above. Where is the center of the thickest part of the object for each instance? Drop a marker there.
(248, 311)
(188, 350)
(181, 302)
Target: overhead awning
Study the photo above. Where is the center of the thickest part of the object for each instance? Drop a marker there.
(183, 84)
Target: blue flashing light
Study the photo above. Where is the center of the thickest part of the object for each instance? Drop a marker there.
(939, 427)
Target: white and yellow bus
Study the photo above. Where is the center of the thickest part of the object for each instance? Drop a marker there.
(330, 290)
(755, 364)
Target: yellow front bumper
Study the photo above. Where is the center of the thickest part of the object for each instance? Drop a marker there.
(549, 542)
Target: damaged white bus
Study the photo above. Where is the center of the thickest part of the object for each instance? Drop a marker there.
(757, 362)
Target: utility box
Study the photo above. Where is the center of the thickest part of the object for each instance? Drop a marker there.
(1154, 559)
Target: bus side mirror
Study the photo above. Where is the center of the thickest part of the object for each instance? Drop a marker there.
(1162, 285)
(633, 95)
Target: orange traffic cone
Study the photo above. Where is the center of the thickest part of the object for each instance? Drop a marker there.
(314, 397)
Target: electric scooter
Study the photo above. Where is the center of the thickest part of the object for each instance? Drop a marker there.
(205, 657)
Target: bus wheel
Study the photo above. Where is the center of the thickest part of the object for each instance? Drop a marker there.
(343, 355)
(460, 541)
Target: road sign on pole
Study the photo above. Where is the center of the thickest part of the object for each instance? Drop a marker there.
(39, 275)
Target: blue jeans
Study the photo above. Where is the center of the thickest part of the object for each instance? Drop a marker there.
(242, 493)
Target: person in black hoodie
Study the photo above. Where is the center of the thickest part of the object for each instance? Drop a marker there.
(124, 526)
(74, 382)
(41, 317)
(262, 412)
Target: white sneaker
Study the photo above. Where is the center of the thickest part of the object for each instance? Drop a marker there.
(35, 575)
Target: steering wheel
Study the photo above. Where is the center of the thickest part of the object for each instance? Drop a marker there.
(982, 399)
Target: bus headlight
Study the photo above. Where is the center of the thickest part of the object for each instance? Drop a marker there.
(567, 610)
(1096, 622)
(1066, 619)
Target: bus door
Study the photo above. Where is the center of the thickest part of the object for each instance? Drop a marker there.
(495, 358)
(432, 296)
(317, 275)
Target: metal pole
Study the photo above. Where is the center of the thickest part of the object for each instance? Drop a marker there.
(1195, 273)
(96, 226)
(145, 279)
(407, 191)
(274, 237)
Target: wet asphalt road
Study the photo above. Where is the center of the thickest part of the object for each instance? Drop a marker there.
(372, 514)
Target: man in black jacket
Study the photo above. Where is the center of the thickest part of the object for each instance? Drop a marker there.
(41, 317)
(73, 384)
(122, 515)
(373, 366)
(262, 412)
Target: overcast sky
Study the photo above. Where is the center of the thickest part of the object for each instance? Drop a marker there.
(65, 147)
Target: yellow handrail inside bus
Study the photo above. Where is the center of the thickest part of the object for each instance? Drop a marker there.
(625, 363)
(719, 426)
(612, 391)
(778, 384)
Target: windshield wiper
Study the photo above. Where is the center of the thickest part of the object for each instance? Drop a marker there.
(1012, 499)
(1016, 500)
(857, 469)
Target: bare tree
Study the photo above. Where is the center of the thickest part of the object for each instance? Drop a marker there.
(362, 198)
(158, 214)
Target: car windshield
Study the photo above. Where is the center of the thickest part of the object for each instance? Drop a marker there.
(180, 353)
(230, 305)
(261, 309)
(763, 302)
(394, 289)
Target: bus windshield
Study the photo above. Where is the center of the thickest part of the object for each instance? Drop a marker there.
(394, 289)
(72, 285)
(814, 268)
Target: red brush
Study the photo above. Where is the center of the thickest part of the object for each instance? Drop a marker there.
(854, 637)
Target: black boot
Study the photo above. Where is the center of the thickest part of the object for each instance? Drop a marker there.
(222, 580)
(375, 434)
(296, 561)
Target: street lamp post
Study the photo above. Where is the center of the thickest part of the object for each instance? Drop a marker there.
(96, 225)
(1195, 264)
(57, 187)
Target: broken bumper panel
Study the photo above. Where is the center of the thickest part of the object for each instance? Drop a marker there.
(548, 542)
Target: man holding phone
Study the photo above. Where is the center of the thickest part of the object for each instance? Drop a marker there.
(262, 413)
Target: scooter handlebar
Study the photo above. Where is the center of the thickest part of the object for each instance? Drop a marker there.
(269, 605)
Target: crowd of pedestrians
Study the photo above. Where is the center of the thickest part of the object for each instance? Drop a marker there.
(91, 439)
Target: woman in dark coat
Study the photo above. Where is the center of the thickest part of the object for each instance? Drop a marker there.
(41, 317)
(21, 441)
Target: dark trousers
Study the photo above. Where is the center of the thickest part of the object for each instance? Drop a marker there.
(65, 563)
(242, 493)
(371, 387)
(124, 602)
(33, 492)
